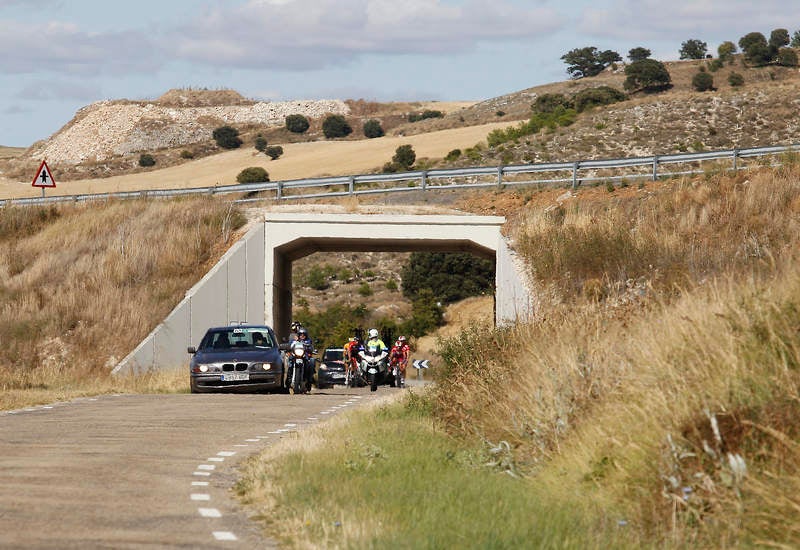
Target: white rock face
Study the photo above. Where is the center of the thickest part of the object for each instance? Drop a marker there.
(105, 129)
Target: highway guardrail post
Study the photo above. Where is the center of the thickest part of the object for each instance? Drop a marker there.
(279, 191)
(500, 176)
(655, 167)
(735, 159)
(423, 180)
(351, 185)
(575, 167)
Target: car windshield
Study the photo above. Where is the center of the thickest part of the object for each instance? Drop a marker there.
(237, 337)
(333, 355)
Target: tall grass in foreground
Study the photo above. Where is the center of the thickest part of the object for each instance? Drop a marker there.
(671, 403)
(384, 477)
(81, 285)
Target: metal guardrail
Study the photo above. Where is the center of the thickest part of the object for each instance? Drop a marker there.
(569, 173)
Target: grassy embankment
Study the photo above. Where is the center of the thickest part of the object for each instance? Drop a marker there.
(82, 285)
(654, 404)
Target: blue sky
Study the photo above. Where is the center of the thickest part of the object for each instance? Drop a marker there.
(60, 55)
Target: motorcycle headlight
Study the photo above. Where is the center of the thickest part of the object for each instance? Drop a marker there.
(299, 352)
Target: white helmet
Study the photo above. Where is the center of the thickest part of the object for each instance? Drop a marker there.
(373, 333)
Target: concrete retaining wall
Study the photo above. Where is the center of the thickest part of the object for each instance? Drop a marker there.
(233, 290)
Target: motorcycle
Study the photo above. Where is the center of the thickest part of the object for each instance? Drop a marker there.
(296, 376)
(373, 366)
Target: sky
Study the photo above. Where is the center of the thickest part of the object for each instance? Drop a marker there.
(61, 55)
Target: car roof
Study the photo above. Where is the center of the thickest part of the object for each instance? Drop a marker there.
(229, 327)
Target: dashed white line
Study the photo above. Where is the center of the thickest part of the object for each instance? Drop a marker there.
(201, 473)
(216, 459)
(200, 496)
(206, 467)
(226, 453)
(200, 483)
(252, 440)
(224, 535)
(209, 512)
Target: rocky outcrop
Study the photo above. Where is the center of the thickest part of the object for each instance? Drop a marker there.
(107, 129)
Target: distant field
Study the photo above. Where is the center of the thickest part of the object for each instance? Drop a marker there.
(300, 160)
(10, 152)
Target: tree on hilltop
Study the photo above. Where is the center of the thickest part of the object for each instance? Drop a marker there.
(755, 48)
(588, 61)
(647, 75)
(726, 50)
(693, 49)
(638, 53)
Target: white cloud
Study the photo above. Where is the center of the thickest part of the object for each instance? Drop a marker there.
(712, 21)
(63, 47)
(309, 34)
(54, 89)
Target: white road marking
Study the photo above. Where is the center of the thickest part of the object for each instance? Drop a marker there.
(200, 483)
(241, 445)
(325, 412)
(312, 418)
(226, 453)
(216, 459)
(290, 425)
(252, 440)
(201, 474)
(224, 535)
(206, 467)
(209, 512)
(200, 496)
(275, 432)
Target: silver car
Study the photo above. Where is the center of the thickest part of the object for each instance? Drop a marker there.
(236, 358)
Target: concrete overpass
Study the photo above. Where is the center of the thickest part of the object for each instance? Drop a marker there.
(253, 280)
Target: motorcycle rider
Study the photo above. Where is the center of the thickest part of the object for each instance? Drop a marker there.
(374, 347)
(398, 355)
(304, 340)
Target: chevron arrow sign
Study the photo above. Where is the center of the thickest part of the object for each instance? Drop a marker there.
(421, 364)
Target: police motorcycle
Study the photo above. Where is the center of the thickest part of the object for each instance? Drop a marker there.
(373, 364)
(299, 367)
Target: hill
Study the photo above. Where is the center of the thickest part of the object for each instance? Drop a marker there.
(105, 139)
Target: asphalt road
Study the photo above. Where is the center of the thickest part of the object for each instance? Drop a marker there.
(144, 471)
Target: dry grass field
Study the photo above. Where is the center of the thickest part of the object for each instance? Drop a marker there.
(300, 160)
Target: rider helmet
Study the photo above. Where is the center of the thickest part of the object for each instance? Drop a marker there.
(402, 339)
(373, 333)
(302, 332)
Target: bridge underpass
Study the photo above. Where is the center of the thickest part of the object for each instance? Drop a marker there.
(253, 280)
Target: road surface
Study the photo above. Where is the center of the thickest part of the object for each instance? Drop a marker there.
(144, 471)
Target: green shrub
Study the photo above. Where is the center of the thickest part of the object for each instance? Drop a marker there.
(427, 113)
(404, 156)
(715, 64)
(500, 113)
(260, 143)
(227, 137)
(335, 126)
(601, 95)
(786, 57)
(735, 80)
(647, 75)
(273, 151)
(547, 103)
(453, 155)
(364, 289)
(558, 117)
(391, 285)
(253, 174)
(703, 82)
(187, 154)
(449, 276)
(297, 124)
(372, 129)
(316, 278)
(146, 160)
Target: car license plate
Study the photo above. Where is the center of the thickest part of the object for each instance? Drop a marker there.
(337, 375)
(231, 376)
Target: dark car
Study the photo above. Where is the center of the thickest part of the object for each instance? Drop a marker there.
(236, 358)
(330, 369)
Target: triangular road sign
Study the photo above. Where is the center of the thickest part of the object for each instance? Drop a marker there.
(44, 178)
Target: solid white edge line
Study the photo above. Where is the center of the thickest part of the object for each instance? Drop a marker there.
(215, 459)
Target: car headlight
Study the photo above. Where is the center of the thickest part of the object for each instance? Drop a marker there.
(323, 366)
(203, 368)
(262, 366)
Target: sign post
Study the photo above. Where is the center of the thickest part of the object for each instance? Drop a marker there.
(43, 178)
(420, 364)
